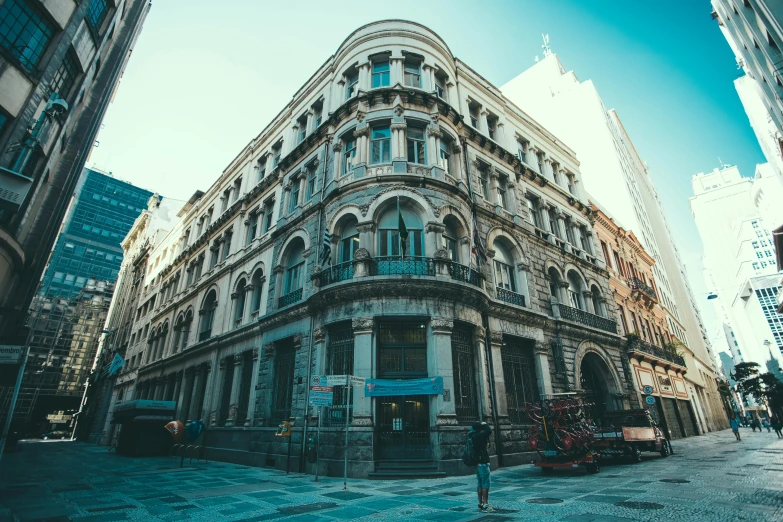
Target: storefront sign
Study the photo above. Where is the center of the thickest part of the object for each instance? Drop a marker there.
(665, 383)
(11, 354)
(390, 388)
(328, 380)
(143, 404)
(321, 395)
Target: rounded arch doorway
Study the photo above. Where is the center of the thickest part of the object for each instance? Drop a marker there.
(599, 386)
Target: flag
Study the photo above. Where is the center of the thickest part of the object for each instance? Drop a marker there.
(478, 246)
(326, 253)
(402, 228)
(116, 363)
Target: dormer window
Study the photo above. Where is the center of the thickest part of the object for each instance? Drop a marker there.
(412, 73)
(380, 73)
(351, 84)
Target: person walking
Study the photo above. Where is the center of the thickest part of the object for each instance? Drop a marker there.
(777, 426)
(479, 435)
(757, 424)
(765, 423)
(735, 427)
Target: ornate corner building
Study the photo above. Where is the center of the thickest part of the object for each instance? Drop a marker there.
(499, 288)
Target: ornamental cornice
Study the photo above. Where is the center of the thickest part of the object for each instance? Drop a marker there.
(399, 186)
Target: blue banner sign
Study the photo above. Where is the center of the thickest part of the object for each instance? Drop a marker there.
(389, 388)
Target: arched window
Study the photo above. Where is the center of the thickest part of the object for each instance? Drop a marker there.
(575, 290)
(258, 284)
(208, 316)
(504, 268)
(186, 330)
(294, 272)
(178, 326)
(451, 238)
(598, 305)
(349, 242)
(239, 307)
(389, 233)
(163, 339)
(554, 282)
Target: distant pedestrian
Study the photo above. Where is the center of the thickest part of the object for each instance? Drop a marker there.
(735, 428)
(753, 425)
(479, 436)
(765, 423)
(777, 426)
(757, 424)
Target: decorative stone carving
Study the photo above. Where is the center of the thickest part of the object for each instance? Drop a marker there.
(540, 348)
(442, 254)
(297, 340)
(442, 325)
(362, 324)
(279, 269)
(364, 228)
(362, 254)
(238, 359)
(399, 186)
(496, 337)
(338, 146)
(358, 133)
(255, 354)
(234, 295)
(399, 126)
(319, 335)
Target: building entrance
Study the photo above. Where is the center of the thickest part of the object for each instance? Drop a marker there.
(402, 422)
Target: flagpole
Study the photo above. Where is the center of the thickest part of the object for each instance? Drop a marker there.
(399, 235)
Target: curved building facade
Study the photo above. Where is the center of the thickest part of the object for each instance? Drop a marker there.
(399, 219)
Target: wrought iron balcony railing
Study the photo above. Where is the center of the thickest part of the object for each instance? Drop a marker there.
(588, 319)
(336, 273)
(656, 351)
(409, 266)
(290, 298)
(464, 273)
(510, 297)
(637, 284)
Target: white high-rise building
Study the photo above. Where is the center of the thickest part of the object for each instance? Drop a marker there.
(739, 260)
(614, 174)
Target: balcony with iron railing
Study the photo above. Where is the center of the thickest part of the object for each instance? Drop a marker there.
(398, 266)
(586, 318)
(640, 348)
(510, 297)
(637, 285)
(290, 298)
(402, 266)
(336, 273)
(464, 273)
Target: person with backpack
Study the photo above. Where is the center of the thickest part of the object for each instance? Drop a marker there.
(476, 454)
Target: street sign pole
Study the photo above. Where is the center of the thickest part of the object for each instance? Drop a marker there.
(12, 405)
(318, 442)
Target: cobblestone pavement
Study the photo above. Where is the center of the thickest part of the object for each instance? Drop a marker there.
(712, 477)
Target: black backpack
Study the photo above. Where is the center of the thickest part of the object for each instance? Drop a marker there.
(469, 457)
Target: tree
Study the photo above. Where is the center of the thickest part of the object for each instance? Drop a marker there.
(747, 376)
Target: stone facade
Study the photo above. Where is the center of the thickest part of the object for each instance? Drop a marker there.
(392, 128)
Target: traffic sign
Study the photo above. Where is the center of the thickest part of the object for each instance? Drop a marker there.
(647, 390)
(329, 380)
(357, 381)
(650, 400)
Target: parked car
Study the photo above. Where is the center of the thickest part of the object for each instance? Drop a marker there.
(628, 433)
(55, 435)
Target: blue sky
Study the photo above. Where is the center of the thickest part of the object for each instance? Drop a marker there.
(204, 80)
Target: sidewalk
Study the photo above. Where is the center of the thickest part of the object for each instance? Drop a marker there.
(712, 477)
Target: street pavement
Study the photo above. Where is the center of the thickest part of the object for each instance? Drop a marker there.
(709, 478)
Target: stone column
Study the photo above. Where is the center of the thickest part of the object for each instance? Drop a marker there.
(337, 155)
(542, 368)
(433, 147)
(361, 145)
(363, 328)
(177, 388)
(440, 363)
(587, 296)
(434, 237)
(564, 297)
(366, 236)
(251, 403)
(496, 342)
(442, 263)
(457, 164)
(485, 398)
(483, 127)
(248, 302)
(364, 76)
(395, 71)
(236, 385)
(398, 141)
(494, 185)
(427, 78)
(501, 134)
(186, 395)
(319, 351)
(547, 170)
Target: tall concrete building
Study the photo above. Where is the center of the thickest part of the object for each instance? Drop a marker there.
(294, 263)
(754, 32)
(740, 261)
(82, 269)
(60, 64)
(617, 178)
